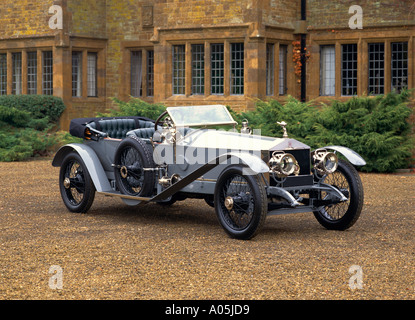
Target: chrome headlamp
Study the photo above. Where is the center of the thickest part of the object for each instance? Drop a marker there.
(283, 164)
(325, 162)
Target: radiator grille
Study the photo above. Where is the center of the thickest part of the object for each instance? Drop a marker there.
(305, 177)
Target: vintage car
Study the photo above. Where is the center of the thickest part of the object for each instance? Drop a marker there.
(196, 152)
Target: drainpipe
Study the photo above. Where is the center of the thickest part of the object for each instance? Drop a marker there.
(303, 51)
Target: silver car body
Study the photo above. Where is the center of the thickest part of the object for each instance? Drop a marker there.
(198, 157)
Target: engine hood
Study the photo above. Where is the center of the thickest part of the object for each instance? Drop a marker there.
(207, 138)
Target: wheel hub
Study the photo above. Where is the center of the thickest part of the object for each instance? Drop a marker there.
(67, 183)
(124, 172)
(229, 203)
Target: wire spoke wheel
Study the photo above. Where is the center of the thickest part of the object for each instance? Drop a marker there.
(76, 187)
(239, 214)
(75, 176)
(337, 211)
(240, 202)
(131, 170)
(342, 215)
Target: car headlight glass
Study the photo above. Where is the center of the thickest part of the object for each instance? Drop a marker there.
(325, 162)
(283, 164)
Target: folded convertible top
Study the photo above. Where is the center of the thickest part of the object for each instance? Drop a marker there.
(77, 126)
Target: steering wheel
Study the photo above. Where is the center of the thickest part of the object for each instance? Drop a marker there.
(156, 124)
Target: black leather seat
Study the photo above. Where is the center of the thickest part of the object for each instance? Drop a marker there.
(119, 128)
(142, 133)
(114, 128)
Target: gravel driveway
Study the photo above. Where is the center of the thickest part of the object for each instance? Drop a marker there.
(181, 252)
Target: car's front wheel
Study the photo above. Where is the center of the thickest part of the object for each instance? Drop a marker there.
(240, 203)
(75, 184)
(343, 215)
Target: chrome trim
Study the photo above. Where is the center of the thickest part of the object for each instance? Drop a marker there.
(277, 161)
(319, 161)
(280, 192)
(352, 156)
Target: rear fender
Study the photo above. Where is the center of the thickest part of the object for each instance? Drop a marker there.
(352, 156)
(92, 163)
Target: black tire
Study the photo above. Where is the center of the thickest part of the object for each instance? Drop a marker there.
(131, 157)
(169, 203)
(209, 199)
(343, 215)
(75, 184)
(247, 215)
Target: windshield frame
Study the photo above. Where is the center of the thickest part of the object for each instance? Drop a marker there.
(201, 124)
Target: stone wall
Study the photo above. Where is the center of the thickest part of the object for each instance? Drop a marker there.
(282, 13)
(24, 18)
(87, 18)
(326, 14)
(173, 13)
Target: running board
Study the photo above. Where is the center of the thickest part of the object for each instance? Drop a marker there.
(123, 196)
(177, 186)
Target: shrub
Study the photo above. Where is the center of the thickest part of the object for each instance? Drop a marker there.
(21, 144)
(25, 121)
(298, 116)
(39, 106)
(377, 128)
(135, 107)
(15, 117)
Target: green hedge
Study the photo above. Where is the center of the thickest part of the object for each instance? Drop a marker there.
(375, 127)
(25, 122)
(22, 144)
(39, 106)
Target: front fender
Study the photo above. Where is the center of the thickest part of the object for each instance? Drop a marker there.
(255, 163)
(352, 156)
(92, 163)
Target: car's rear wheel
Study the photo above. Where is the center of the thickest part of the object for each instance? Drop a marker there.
(343, 215)
(240, 203)
(131, 159)
(75, 184)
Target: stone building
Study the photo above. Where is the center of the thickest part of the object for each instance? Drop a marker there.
(181, 52)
